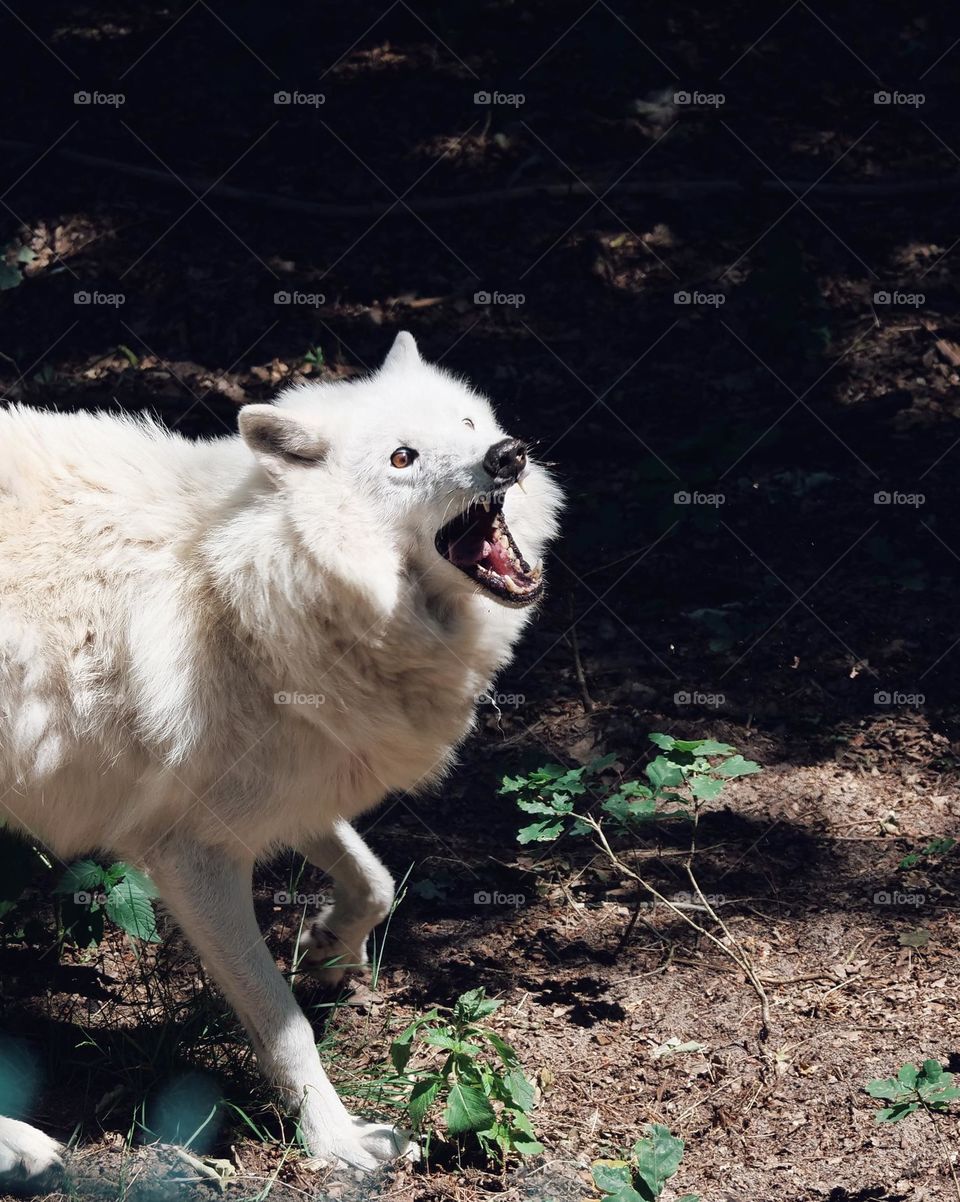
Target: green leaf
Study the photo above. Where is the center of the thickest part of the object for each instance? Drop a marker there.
(662, 774)
(83, 876)
(542, 807)
(908, 1076)
(705, 788)
(474, 1005)
(893, 1114)
(888, 1087)
(708, 747)
(520, 1089)
(658, 1156)
(132, 910)
(737, 766)
(933, 1070)
(604, 761)
(400, 1053)
(501, 1047)
(611, 1175)
(422, 1097)
(665, 741)
(539, 832)
(467, 1110)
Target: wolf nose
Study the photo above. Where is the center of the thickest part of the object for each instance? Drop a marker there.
(506, 460)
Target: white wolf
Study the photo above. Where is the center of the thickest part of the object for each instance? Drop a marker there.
(212, 650)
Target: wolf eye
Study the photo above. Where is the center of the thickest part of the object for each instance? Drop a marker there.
(468, 422)
(403, 456)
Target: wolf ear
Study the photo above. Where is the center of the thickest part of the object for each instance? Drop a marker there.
(277, 437)
(403, 353)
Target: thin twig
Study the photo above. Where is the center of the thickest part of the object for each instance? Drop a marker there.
(674, 188)
(577, 661)
(733, 950)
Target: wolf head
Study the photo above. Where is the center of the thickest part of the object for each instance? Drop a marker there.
(406, 474)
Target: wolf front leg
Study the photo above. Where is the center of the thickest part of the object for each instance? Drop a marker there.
(209, 893)
(362, 897)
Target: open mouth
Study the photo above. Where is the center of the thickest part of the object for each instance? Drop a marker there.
(480, 544)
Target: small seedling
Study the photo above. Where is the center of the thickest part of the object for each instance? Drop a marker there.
(930, 1087)
(686, 773)
(315, 356)
(935, 848)
(119, 892)
(483, 1092)
(642, 1176)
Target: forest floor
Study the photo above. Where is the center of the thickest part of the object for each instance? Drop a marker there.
(760, 542)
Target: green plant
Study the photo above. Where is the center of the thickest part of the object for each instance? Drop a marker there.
(472, 1073)
(936, 847)
(930, 1089)
(119, 892)
(315, 356)
(687, 774)
(642, 1176)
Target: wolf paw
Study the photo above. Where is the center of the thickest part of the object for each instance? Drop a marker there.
(370, 1146)
(27, 1156)
(326, 956)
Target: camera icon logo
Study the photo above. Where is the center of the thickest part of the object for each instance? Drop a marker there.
(681, 298)
(482, 98)
(482, 298)
(282, 98)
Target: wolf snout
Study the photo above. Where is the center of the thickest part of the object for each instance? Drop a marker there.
(506, 460)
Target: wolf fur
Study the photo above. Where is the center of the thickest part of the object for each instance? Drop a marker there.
(213, 650)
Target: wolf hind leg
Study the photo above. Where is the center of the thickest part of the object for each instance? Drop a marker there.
(363, 894)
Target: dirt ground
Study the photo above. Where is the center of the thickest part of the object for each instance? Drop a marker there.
(731, 325)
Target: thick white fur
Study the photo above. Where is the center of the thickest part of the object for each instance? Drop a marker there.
(158, 595)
